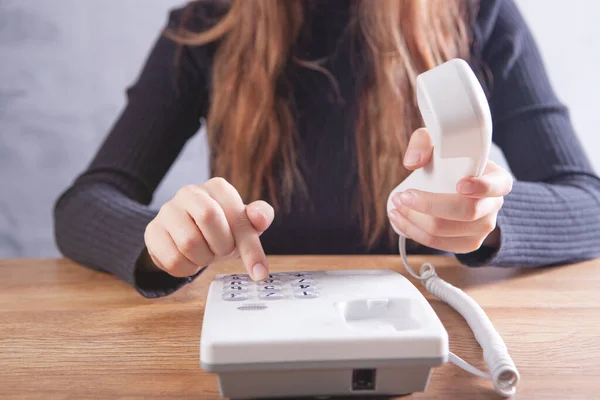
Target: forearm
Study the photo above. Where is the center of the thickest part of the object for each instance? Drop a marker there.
(546, 223)
(99, 227)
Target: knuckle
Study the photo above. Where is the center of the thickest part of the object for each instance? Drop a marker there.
(510, 184)
(226, 249)
(207, 215)
(485, 186)
(149, 230)
(186, 190)
(240, 221)
(436, 226)
(489, 224)
(165, 210)
(172, 262)
(249, 252)
(500, 202)
(219, 183)
(429, 240)
(188, 242)
(420, 134)
(426, 204)
(261, 219)
(472, 209)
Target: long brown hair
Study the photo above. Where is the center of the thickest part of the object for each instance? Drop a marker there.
(250, 122)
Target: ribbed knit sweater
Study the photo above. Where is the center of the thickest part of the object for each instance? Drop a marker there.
(552, 215)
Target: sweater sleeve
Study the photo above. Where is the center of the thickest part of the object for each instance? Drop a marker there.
(100, 219)
(552, 215)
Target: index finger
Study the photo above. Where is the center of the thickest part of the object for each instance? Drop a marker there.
(495, 182)
(448, 206)
(246, 237)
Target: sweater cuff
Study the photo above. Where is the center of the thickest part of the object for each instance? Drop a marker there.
(152, 282)
(517, 233)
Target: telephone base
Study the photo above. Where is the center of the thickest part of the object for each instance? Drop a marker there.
(320, 383)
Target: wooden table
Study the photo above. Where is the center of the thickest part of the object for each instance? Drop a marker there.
(67, 332)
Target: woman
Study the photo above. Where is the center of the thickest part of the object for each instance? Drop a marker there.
(311, 122)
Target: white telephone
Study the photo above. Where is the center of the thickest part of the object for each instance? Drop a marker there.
(360, 332)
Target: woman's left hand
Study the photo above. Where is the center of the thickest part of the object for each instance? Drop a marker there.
(457, 223)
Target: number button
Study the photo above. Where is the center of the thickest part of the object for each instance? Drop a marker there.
(235, 283)
(306, 294)
(237, 277)
(303, 281)
(270, 282)
(271, 295)
(270, 288)
(301, 275)
(234, 289)
(234, 296)
(306, 288)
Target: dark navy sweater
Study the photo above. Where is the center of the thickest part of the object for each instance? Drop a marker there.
(552, 215)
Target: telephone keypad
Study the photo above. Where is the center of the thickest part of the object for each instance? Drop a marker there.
(277, 286)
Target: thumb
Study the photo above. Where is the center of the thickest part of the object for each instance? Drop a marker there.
(419, 150)
(260, 214)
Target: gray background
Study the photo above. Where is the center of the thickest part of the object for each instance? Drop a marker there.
(64, 66)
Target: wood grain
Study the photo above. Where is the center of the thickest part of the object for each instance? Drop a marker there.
(67, 332)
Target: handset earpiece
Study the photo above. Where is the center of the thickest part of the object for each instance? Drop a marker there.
(456, 113)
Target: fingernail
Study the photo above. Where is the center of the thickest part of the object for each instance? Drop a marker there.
(412, 157)
(407, 198)
(259, 272)
(467, 187)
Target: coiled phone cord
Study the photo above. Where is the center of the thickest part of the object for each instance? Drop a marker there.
(503, 371)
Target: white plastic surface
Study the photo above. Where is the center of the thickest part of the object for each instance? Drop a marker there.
(371, 315)
(451, 101)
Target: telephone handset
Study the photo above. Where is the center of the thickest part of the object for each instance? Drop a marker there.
(360, 332)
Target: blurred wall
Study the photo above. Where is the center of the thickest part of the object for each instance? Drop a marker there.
(64, 66)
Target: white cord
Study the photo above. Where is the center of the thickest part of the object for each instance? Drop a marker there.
(503, 371)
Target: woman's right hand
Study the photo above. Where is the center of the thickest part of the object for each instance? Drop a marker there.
(205, 224)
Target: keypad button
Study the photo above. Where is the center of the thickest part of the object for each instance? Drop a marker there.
(303, 281)
(301, 275)
(235, 283)
(235, 296)
(304, 294)
(271, 295)
(237, 277)
(270, 288)
(276, 276)
(234, 289)
(270, 282)
(304, 287)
